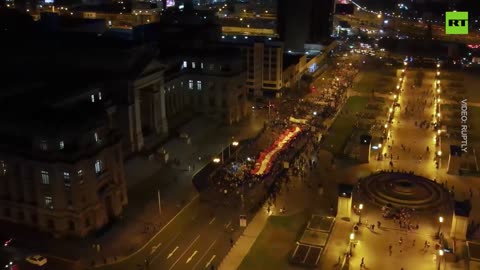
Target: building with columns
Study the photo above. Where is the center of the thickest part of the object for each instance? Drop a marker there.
(61, 161)
(207, 81)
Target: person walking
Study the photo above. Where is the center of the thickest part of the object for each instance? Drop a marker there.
(362, 264)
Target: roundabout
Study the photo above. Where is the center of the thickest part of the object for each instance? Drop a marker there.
(404, 190)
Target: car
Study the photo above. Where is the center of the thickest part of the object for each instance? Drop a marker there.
(37, 260)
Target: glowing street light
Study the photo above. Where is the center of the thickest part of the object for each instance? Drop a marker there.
(395, 96)
(216, 160)
(439, 131)
(439, 153)
(440, 221)
(391, 110)
(360, 207)
(235, 143)
(440, 257)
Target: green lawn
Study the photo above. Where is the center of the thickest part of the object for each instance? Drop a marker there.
(342, 128)
(380, 81)
(284, 231)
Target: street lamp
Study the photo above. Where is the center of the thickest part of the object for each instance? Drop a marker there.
(360, 207)
(352, 237)
(216, 160)
(440, 257)
(440, 221)
(235, 144)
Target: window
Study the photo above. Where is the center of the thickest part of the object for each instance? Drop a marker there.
(98, 167)
(45, 178)
(190, 84)
(97, 139)
(199, 85)
(193, 64)
(80, 176)
(48, 201)
(201, 65)
(92, 97)
(3, 167)
(184, 64)
(61, 145)
(99, 95)
(66, 180)
(43, 145)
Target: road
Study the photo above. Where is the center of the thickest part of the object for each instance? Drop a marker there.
(201, 244)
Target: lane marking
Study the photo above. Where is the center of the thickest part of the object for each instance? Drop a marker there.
(211, 260)
(154, 248)
(191, 244)
(191, 257)
(171, 253)
(164, 248)
(211, 221)
(205, 254)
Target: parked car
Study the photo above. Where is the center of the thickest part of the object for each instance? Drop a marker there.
(37, 260)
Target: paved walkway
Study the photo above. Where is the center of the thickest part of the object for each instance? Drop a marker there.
(241, 248)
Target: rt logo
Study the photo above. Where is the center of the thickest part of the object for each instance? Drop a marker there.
(456, 23)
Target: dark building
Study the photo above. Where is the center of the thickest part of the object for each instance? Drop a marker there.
(61, 162)
(304, 21)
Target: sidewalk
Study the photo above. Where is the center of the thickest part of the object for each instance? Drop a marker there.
(241, 248)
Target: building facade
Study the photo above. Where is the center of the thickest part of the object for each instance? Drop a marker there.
(61, 171)
(263, 63)
(211, 82)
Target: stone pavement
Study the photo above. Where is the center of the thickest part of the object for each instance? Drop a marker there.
(337, 246)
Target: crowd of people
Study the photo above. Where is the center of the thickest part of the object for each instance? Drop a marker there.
(235, 177)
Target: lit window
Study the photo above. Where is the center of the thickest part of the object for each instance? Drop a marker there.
(3, 167)
(43, 145)
(66, 179)
(199, 85)
(193, 64)
(45, 178)
(48, 201)
(184, 64)
(190, 84)
(92, 97)
(98, 167)
(97, 139)
(80, 176)
(99, 95)
(201, 65)
(61, 145)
